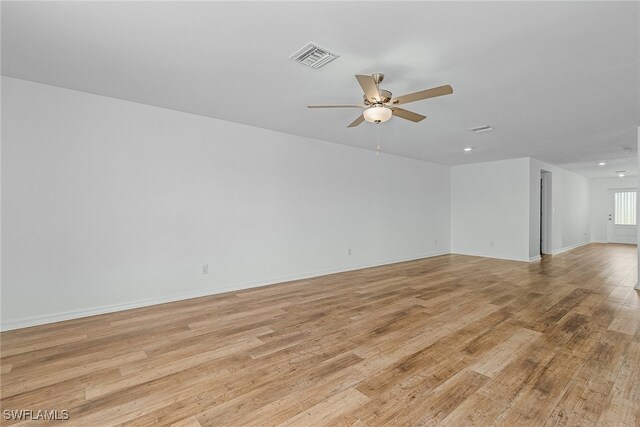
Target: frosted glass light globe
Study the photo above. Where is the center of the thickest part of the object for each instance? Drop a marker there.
(377, 114)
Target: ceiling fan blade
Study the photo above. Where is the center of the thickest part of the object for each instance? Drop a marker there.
(407, 115)
(336, 106)
(357, 121)
(369, 87)
(423, 94)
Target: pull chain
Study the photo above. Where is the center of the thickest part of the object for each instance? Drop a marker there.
(378, 138)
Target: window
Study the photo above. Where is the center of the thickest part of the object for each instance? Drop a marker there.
(624, 208)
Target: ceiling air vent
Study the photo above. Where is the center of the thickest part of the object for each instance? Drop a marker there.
(313, 56)
(480, 129)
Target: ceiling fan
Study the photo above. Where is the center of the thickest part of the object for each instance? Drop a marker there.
(379, 104)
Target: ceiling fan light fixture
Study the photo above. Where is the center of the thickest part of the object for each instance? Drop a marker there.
(377, 114)
(377, 101)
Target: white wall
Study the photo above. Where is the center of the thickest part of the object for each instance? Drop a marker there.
(490, 209)
(109, 204)
(571, 217)
(499, 203)
(600, 203)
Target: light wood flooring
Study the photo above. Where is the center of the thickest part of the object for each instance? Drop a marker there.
(451, 340)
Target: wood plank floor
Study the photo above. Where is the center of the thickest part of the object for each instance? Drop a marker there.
(452, 340)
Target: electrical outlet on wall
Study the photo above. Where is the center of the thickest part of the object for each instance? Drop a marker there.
(492, 243)
(205, 268)
(349, 251)
(435, 243)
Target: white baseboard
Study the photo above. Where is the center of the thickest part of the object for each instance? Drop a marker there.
(568, 248)
(26, 322)
(482, 255)
(112, 308)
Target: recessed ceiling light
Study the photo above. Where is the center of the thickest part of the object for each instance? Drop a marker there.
(468, 149)
(621, 175)
(601, 164)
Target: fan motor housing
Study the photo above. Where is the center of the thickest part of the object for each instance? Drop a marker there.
(384, 94)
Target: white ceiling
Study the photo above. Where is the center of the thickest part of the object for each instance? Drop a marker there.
(612, 168)
(558, 81)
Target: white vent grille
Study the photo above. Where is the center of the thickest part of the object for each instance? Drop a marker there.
(480, 129)
(313, 56)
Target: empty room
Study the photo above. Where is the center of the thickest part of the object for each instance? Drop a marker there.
(310, 213)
